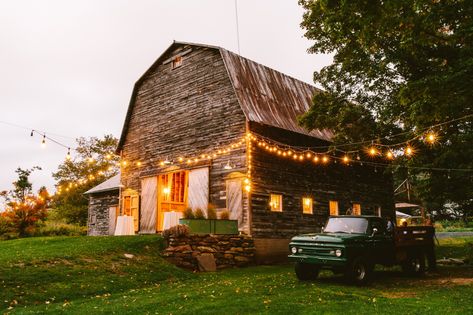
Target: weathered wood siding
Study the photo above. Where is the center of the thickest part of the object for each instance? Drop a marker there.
(185, 111)
(294, 180)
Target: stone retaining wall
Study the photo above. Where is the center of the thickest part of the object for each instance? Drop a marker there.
(228, 250)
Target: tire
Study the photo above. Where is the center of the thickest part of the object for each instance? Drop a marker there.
(306, 272)
(359, 271)
(414, 265)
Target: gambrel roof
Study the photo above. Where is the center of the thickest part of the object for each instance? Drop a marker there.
(265, 95)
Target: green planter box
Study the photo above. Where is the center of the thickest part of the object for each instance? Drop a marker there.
(205, 226)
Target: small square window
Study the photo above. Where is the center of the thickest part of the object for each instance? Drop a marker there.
(176, 62)
(333, 206)
(356, 209)
(275, 202)
(307, 205)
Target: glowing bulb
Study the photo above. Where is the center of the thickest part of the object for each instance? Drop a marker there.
(289, 153)
(43, 142)
(346, 159)
(325, 159)
(279, 152)
(308, 155)
(409, 151)
(166, 190)
(181, 159)
(301, 157)
(295, 156)
(248, 188)
(108, 156)
(316, 159)
(389, 155)
(431, 137)
(373, 151)
(246, 181)
(138, 163)
(68, 156)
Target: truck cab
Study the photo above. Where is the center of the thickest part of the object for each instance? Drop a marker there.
(353, 245)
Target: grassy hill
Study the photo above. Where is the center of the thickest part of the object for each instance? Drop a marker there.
(91, 275)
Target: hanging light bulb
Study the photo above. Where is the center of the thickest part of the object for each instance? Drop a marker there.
(372, 151)
(431, 137)
(325, 159)
(68, 156)
(316, 159)
(346, 159)
(32, 133)
(308, 155)
(409, 151)
(389, 155)
(43, 142)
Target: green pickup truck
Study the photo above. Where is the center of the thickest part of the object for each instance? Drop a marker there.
(353, 245)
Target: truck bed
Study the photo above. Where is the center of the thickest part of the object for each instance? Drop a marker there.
(414, 236)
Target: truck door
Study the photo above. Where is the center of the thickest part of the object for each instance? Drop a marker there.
(382, 243)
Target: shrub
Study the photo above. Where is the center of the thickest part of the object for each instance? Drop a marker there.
(176, 231)
(224, 215)
(211, 212)
(199, 214)
(189, 214)
(469, 253)
(55, 228)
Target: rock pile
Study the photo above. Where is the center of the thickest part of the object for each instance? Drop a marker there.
(227, 250)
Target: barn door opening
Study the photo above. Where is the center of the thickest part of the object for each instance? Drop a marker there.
(172, 195)
(235, 200)
(149, 201)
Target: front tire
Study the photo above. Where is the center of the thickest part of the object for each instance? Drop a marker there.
(306, 272)
(359, 271)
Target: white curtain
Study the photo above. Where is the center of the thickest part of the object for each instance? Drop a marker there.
(198, 191)
(149, 202)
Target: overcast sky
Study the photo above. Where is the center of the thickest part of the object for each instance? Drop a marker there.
(68, 67)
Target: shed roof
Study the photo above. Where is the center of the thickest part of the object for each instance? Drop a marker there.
(265, 95)
(113, 183)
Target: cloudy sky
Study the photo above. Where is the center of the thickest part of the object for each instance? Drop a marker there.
(68, 67)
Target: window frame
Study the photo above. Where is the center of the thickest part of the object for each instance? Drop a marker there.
(310, 206)
(279, 202)
(330, 203)
(356, 205)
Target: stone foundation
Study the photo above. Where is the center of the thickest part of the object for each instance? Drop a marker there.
(228, 250)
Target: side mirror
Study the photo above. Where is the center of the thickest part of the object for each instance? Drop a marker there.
(375, 231)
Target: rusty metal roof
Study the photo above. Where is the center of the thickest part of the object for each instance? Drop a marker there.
(270, 97)
(265, 95)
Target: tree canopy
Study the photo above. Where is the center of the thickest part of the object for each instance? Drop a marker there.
(399, 66)
(93, 163)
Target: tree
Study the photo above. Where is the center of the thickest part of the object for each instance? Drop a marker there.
(24, 210)
(399, 66)
(93, 163)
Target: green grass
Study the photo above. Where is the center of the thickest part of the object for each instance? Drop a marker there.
(84, 275)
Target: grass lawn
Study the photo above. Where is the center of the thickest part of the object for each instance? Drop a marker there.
(85, 275)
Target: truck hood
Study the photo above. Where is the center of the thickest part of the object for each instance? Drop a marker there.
(329, 238)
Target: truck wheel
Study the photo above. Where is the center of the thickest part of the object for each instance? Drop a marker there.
(414, 265)
(359, 271)
(305, 272)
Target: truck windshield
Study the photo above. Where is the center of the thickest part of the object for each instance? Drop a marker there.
(346, 225)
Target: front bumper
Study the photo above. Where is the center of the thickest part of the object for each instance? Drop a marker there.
(321, 261)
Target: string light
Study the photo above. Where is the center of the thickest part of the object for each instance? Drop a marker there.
(431, 137)
(43, 142)
(68, 156)
(409, 151)
(389, 155)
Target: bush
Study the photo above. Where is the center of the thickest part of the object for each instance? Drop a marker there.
(224, 215)
(211, 212)
(199, 214)
(55, 228)
(176, 231)
(189, 214)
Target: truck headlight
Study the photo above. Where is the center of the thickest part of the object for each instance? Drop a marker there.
(338, 252)
(294, 250)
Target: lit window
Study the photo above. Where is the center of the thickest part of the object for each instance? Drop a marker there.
(333, 206)
(177, 62)
(307, 205)
(356, 209)
(275, 202)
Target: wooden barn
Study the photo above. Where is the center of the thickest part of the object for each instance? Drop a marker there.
(205, 125)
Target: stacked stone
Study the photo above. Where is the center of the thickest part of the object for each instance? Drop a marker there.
(228, 250)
